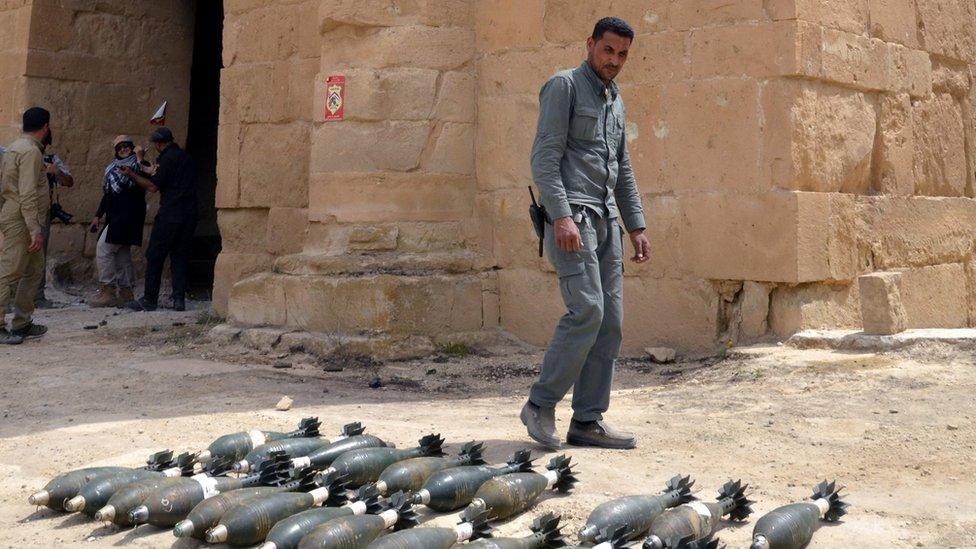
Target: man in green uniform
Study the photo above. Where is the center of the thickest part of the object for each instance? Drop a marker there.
(582, 168)
(23, 214)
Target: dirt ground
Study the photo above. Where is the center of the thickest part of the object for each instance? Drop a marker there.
(896, 430)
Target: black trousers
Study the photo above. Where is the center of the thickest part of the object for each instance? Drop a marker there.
(172, 238)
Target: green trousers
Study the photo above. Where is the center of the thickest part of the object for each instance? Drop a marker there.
(583, 350)
(20, 270)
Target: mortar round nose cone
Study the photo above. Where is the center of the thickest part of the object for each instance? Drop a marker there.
(39, 498)
(268, 545)
(139, 515)
(242, 466)
(587, 533)
(217, 534)
(654, 542)
(74, 504)
(105, 514)
(183, 529)
(381, 487)
(204, 456)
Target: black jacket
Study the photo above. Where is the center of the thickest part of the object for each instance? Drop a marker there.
(176, 178)
(125, 215)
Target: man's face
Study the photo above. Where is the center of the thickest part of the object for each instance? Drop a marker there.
(607, 55)
(159, 146)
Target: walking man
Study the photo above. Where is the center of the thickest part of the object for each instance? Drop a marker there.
(23, 214)
(582, 168)
(175, 178)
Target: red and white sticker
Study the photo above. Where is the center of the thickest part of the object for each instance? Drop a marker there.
(335, 97)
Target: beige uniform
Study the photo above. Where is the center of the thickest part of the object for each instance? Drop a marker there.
(24, 211)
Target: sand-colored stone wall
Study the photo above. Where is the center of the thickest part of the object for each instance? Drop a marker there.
(101, 68)
(15, 29)
(782, 147)
(271, 57)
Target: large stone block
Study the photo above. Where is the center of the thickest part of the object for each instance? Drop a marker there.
(286, 230)
(894, 21)
(855, 60)
(814, 306)
(456, 97)
(946, 27)
(520, 72)
(940, 147)
(228, 166)
(362, 197)
(817, 137)
(274, 165)
(846, 15)
(569, 21)
(231, 268)
(882, 312)
(258, 300)
(686, 14)
(453, 150)
(508, 125)
(367, 146)
(766, 49)
(443, 48)
(384, 13)
(899, 232)
(244, 230)
(658, 57)
(266, 34)
(935, 296)
(895, 173)
(504, 24)
(396, 94)
(789, 237)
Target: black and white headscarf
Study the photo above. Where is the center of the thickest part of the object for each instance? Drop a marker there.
(114, 181)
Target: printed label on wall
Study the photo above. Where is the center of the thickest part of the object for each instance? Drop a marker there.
(335, 97)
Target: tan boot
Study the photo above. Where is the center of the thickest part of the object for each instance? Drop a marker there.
(125, 296)
(105, 297)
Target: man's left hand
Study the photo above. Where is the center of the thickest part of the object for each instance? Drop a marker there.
(642, 246)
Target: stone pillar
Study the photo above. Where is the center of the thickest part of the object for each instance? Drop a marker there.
(15, 29)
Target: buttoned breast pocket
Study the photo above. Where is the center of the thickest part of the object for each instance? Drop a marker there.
(615, 124)
(585, 124)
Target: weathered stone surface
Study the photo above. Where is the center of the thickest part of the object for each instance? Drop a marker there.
(882, 312)
(660, 355)
(701, 13)
(244, 230)
(224, 333)
(499, 27)
(443, 48)
(453, 150)
(754, 309)
(895, 172)
(509, 125)
(273, 171)
(317, 344)
(935, 296)
(231, 268)
(286, 230)
(946, 27)
(368, 146)
(918, 231)
(661, 57)
(940, 147)
(373, 238)
(795, 308)
(456, 97)
(263, 339)
(847, 15)
(766, 49)
(383, 13)
(397, 94)
(894, 21)
(522, 73)
(373, 196)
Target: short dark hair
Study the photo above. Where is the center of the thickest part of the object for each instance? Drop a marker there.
(615, 25)
(35, 118)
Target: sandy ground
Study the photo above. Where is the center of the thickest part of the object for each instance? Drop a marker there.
(897, 429)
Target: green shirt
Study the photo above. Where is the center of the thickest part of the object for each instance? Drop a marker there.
(23, 184)
(580, 156)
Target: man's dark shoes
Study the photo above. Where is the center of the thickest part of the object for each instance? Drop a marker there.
(179, 304)
(598, 433)
(141, 304)
(29, 331)
(7, 338)
(541, 424)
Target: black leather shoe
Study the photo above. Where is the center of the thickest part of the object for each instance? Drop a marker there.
(7, 338)
(29, 331)
(541, 424)
(179, 304)
(599, 434)
(141, 304)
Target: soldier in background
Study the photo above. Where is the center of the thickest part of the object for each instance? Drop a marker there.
(24, 212)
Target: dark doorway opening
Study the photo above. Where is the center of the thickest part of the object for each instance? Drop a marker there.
(201, 140)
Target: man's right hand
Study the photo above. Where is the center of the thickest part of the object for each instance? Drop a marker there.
(567, 235)
(36, 243)
(94, 225)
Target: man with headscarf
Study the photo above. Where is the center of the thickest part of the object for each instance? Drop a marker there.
(123, 206)
(24, 212)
